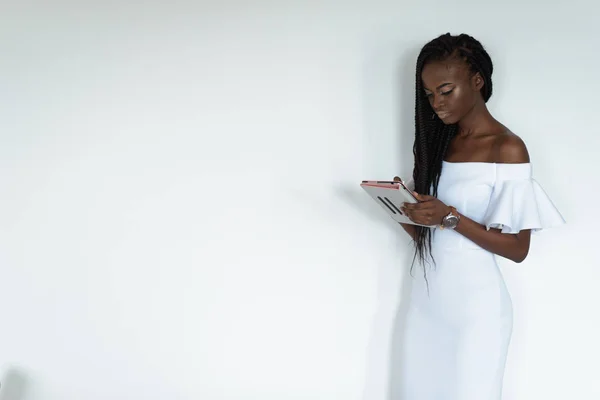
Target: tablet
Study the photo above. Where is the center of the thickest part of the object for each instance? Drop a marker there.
(390, 195)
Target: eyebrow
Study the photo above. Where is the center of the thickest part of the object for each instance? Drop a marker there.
(441, 86)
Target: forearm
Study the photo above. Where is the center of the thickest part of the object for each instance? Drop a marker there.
(512, 246)
(431, 211)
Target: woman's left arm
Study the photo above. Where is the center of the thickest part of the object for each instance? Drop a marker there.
(515, 247)
(431, 211)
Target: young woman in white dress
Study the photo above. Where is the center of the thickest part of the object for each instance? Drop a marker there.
(474, 179)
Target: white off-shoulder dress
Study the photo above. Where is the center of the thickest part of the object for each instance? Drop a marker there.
(459, 322)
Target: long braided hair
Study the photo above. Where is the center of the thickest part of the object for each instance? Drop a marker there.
(432, 136)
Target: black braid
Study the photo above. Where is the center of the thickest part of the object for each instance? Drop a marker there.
(432, 136)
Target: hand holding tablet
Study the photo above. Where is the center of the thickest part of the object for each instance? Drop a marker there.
(390, 195)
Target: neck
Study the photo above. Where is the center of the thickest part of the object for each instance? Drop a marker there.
(477, 121)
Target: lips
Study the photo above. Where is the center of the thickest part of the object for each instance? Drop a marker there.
(443, 115)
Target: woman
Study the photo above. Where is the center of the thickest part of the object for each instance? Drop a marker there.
(473, 178)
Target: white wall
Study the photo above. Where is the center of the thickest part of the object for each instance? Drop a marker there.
(180, 216)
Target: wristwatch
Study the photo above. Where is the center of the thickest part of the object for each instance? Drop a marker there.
(451, 220)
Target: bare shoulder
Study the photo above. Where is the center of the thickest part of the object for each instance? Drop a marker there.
(511, 149)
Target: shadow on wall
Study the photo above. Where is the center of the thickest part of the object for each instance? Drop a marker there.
(13, 385)
(385, 347)
(406, 106)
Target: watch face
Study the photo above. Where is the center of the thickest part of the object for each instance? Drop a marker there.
(450, 221)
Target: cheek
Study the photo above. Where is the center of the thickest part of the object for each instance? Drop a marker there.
(461, 101)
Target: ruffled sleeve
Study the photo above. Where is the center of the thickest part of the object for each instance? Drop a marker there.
(518, 202)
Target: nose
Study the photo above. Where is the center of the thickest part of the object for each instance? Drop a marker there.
(437, 103)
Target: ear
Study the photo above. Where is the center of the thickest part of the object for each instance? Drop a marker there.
(477, 81)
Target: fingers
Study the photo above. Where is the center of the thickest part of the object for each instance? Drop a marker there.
(421, 217)
(426, 205)
(397, 179)
(420, 213)
(423, 197)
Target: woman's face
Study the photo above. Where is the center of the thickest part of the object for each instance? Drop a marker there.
(451, 91)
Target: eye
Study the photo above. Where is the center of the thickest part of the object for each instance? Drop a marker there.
(447, 93)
